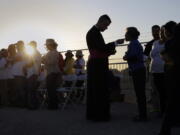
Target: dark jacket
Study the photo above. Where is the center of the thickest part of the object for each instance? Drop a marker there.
(96, 43)
(148, 47)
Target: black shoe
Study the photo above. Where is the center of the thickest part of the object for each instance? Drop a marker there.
(139, 119)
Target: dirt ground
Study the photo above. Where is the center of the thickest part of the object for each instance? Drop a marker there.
(71, 121)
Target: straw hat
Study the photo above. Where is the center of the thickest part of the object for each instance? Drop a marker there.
(50, 42)
(69, 53)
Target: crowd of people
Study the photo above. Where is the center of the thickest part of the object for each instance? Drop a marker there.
(21, 73)
(23, 70)
(162, 54)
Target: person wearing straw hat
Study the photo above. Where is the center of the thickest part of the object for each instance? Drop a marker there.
(69, 63)
(69, 71)
(51, 62)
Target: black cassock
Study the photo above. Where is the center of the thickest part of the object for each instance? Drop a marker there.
(98, 102)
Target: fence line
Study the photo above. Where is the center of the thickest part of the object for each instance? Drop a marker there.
(85, 49)
(121, 69)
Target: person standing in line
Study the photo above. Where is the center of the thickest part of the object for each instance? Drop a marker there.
(69, 71)
(33, 69)
(10, 79)
(3, 78)
(51, 62)
(79, 66)
(19, 73)
(157, 69)
(170, 54)
(98, 102)
(69, 63)
(134, 57)
(154, 97)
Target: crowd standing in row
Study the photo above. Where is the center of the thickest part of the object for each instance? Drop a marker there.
(164, 59)
(163, 54)
(21, 73)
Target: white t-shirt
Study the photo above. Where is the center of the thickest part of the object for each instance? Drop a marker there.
(80, 62)
(3, 73)
(18, 67)
(9, 72)
(157, 64)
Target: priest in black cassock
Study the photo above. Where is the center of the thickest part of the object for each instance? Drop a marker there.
(98, 102)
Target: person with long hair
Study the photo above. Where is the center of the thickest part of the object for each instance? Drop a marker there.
(157, 69)
(3, 77)
(33, 70)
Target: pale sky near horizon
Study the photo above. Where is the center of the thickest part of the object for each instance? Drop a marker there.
(67, 21)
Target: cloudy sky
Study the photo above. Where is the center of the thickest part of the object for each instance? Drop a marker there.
(67, 21)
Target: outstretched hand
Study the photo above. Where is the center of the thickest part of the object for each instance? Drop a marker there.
(120, 41)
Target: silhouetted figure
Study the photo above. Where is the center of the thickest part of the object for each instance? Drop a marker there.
(10, 77)
(134, 57)
(98, 104)
(172, 65)
(69, 63)
(51, 62)
(157, 70)
(154, 97)
(79, 66)
(155, 33)
(19, 73)
(3, 77)
(69, 71)
(79, 63)
(33, 70)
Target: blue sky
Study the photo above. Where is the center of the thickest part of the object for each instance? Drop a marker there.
(67, 21)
